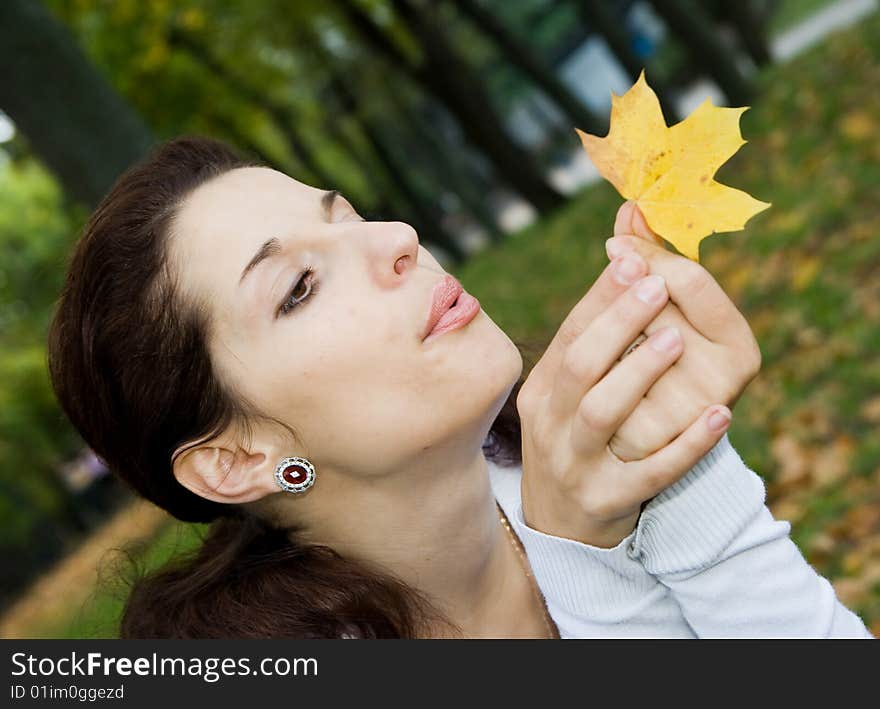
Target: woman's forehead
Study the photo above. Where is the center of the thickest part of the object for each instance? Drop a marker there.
(240, 191)
(244, 207)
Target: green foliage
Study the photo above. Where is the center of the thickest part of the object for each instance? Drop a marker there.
(35, 231)
(28, 449)
(262, 63)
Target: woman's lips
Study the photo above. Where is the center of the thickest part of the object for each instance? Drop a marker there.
(464, 310)
(451, 307)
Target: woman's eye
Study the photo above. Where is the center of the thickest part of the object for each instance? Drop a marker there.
(303, 289)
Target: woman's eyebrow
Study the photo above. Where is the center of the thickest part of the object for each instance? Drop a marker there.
(327, 202)
(272, 246)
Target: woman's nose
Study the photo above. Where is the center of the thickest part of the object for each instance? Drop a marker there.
(396, 251)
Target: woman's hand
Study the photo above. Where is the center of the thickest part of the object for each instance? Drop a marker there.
(721, 355)
(577, 397)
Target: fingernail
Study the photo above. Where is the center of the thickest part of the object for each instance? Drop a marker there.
(628, 268)
(651, 290)
(720, 418)
(666, 340)
(614, 247)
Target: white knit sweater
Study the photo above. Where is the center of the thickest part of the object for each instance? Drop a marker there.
(706, 560)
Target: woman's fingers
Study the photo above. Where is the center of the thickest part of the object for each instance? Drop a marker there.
(698, 296)
(608, 404)
(600, 345)
(662, 414)
(630, 220)
(661, 469)
(617, 277)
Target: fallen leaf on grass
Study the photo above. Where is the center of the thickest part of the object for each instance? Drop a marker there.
(788, 220)
(669, 171)
(821, 546)
(870, 410)
(793, 460)
(804, 271)
(808, 336)
(863, 520)
(858, 125)
(851, 591)
(787, 509)
(737, 280)
(832, 461)
(812, 418)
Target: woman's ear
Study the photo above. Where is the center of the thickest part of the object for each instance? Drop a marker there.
(224, 472)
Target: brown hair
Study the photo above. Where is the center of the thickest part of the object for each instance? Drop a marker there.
(129, 364)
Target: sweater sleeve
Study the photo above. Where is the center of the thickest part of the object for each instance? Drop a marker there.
(593, 592)
(733, 569)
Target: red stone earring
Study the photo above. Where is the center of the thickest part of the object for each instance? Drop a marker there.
(295, 474)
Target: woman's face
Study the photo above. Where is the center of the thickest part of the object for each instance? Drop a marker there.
(345, 367)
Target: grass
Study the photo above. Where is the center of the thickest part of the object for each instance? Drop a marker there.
(806, 274)
(98, 616)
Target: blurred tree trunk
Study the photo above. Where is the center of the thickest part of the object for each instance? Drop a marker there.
(454, 84)
(343, 97)
(750, 28)
(597, 15)
(530, 63)
(382, 203)
(453, 78)
(451, 174)
(75, 122)
(426, 217)
(282, 116)
(695, 29)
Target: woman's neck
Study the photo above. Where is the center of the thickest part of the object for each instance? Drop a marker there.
(442, 535)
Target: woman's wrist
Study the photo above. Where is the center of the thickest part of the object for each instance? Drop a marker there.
(565, 519)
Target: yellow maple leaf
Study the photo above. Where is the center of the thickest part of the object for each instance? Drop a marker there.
(669, 171)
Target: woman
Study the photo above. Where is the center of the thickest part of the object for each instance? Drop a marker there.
(245, 349)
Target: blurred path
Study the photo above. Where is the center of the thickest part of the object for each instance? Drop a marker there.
(70, 582)
(836, 16)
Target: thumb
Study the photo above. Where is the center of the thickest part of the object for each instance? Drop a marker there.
(630, 220)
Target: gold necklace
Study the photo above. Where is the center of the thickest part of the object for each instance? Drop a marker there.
(552, 630)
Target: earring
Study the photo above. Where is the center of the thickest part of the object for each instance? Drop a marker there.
(295, 474)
